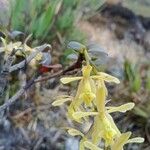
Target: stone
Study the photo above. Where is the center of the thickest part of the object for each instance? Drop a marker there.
(4, 13)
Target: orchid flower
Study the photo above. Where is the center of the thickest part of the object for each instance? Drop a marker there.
(92, 94)
(124, 139)
(104, 126)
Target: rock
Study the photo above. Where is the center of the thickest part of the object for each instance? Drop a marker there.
(4, 13)
(71, 144)
(146, 41)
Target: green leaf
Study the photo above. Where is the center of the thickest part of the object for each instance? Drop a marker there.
(46, 20)
(141, 112)
(76, 46)
(148, 81)
(65, 22)
(136, 84)
(18, 7)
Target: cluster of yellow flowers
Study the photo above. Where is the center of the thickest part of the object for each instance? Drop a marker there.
(92, 94)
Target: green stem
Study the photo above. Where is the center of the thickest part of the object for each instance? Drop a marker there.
(87, 57)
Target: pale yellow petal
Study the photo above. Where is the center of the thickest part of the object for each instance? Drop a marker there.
(95, 131)
(100, 96)
(91, 146)
(70, 111)
(60, 102)
(86, 70)
(106, 77)
(136, 140)
(92, 85)
(87, 97)
(108, 133)
(113, 124)
(86, 93)
(122, 108)
(109, 78)
(78, 115)
(77, 101)
(66, 80)
(74, 132)
(121, 141)
(81, 146)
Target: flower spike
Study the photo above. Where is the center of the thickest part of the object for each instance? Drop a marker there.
(89, 105)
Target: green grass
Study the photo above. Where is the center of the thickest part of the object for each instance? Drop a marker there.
(44, 18)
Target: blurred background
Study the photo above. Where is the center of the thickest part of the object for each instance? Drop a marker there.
(120, 27)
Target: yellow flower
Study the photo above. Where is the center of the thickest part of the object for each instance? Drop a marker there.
(62, 99)
(87, 89)
(86, 93)
(123, 108)
(124, 139)
(81, 114)
(91, 95)
(103, 129)
(118, 143)
(104, 126)
(84, 143)
(74, 132)
(91, 146)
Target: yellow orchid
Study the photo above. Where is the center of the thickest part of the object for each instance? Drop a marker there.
(103, 129)
(91, 146)
(86, 85)
(91, 95)
(104, 126)
(84, 143)
(124, 139)
(74, 132)
(87, 89)
(85, 92)
(62, 99)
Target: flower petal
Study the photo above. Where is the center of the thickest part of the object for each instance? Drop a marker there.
(121, 141)
(86, 71)
(106, 77)
(96, 129)
(122, 108)
(60, 101)
(76, 46)
(74, 132)
(101, 94)
(87, 97)
(66, 80)
(136, 140)
(86, 93)
(91, 146)
(108, 132)
(80, 114)
(113, 124)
